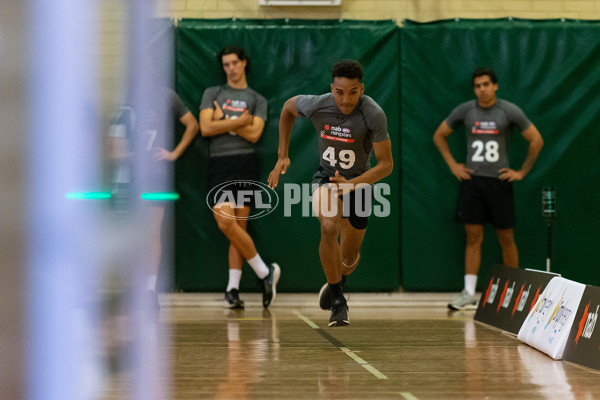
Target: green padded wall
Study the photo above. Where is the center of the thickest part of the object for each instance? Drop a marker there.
(288, 58)
(548, 68)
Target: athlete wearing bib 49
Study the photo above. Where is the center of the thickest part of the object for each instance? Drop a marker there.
(350, 126)
(486, 192)
(345, 145)
(345, 141)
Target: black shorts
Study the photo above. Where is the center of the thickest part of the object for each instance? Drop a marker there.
(483, 199)
(241, 167)
(356, 204)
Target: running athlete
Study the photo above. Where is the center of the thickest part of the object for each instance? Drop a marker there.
(486, 192)
(349, 125)
(233, 117)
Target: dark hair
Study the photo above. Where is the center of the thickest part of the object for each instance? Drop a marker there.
(238, 51)
(484, 71)
(350, 69)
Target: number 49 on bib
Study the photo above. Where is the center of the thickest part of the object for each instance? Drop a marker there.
(346, 158)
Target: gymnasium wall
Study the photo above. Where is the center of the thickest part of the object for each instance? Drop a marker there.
(418, 10)
(550, 69)
(546, 67)
(287, 59)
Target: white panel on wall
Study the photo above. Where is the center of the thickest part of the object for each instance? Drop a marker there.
(300, 2)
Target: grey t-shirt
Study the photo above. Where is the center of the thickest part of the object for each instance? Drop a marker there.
(488, 133)
(164, 108)
(345, 141)
(233, 102)
(148, 131)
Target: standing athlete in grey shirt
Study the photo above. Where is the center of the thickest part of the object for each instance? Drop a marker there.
(486, 193)
(233, 117)
(349, 126)
(153, 127)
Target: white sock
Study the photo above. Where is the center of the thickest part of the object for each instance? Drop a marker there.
(470, 284)
(152, 282)
(259, 266)
(235, 275)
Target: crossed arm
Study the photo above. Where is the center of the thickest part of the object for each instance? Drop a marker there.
(247, 126)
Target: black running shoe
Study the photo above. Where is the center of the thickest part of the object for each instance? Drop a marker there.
(232, 299)
(325, 297)
(269, 284)
(339, 313)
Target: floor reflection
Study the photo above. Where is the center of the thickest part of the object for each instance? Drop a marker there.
(548, 374)
(252, 344)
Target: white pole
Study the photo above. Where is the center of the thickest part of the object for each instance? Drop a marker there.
(64, 148)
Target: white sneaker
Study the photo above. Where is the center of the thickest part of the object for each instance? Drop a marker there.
(463, 301)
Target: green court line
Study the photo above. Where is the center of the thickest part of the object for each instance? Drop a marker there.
(88, 195)
(160, 196)
(153, 196)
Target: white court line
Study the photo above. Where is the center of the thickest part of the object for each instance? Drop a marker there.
(308, 321)
(347, 351)
(408, 396)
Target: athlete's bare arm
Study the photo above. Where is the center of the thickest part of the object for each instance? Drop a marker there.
(440, 140)
(212, 127)
(288, 116)
(191, 129)
(253, 131)
(532, 135)
(384, 167)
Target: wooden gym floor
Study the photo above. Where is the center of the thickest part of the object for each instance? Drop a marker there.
(398, 346)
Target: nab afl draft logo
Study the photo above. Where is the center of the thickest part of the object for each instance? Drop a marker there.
(587, 323)
(236, 194)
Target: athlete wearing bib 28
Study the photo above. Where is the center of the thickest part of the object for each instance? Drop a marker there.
(486, 192)
(350, 126)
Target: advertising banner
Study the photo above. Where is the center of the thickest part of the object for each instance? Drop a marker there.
(548, 324)
(509, 296)
(583, 344)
